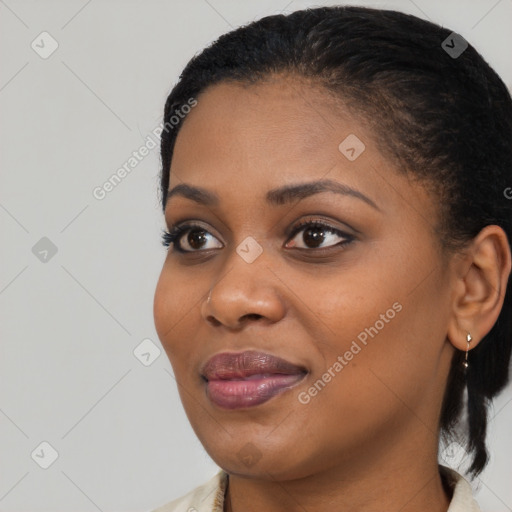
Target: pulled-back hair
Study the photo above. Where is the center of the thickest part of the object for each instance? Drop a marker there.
(443, 118)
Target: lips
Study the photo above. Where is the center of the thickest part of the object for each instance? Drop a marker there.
(246, 379)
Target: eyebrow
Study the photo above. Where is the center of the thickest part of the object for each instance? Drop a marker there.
(275, 197)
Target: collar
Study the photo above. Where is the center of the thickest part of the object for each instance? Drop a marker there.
(462, 493)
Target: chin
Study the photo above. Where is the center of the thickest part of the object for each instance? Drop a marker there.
(253, 456)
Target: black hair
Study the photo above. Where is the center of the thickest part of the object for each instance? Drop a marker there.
(443, 118)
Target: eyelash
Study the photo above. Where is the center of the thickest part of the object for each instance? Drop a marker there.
(176, 232)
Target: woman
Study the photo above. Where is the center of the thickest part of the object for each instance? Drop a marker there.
(339, 260)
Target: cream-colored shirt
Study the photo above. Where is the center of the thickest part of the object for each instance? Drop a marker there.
(209, 497)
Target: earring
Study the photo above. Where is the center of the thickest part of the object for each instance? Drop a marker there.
(465, 362)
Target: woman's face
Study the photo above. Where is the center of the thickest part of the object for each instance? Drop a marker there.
(358, 306)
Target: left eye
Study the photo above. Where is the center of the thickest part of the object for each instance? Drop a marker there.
(314, 234)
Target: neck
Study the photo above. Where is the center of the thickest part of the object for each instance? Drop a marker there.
(382, 485)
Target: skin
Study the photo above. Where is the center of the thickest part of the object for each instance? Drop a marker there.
(368, 440)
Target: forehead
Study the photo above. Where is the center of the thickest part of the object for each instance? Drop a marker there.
(278, 111)
(254, 137)
(279, 124)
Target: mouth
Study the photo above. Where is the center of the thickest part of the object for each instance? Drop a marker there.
(247, 379)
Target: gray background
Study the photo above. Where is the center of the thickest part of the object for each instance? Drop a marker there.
(71, 323)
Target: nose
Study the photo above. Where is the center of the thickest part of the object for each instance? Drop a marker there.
(245, 292)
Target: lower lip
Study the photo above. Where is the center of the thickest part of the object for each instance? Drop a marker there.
(236, 394)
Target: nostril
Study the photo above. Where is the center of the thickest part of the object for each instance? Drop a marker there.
(213, 320)
(252, 316)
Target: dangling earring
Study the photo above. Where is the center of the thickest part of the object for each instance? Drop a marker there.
(465, 362)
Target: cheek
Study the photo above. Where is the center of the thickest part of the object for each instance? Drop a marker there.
(175, 303)
(387, 321)
(164, 307)
(364, 389)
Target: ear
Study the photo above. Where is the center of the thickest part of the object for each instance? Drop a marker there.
(481, 274)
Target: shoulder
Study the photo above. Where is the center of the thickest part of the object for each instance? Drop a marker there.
(208, 497)
(462, 497)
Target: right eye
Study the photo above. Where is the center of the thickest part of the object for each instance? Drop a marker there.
(196, 237)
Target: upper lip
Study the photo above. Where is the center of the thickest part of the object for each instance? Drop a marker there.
(239, 365)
